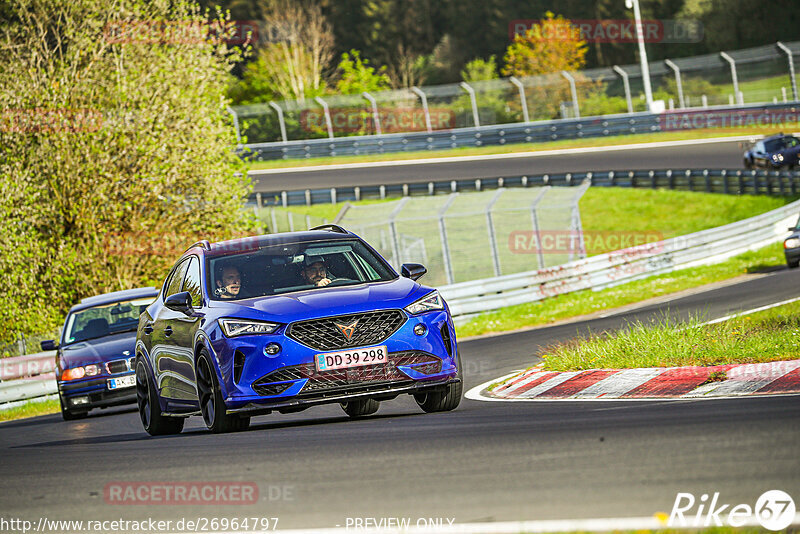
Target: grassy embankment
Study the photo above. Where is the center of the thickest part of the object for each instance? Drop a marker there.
(765, 336)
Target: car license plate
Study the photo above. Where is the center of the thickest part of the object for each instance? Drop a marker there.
(122, 382)
(351, 358)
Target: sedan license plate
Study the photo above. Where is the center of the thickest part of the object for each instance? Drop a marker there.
(122, 382)
(351, 358)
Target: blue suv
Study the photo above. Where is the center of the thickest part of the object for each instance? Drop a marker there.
(287, 321)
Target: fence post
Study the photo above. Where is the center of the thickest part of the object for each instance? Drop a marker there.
(465, 86)
(327, 112)
(375, 116)
(393, 232)
(791, 68)
(235, 125)
(626, 85)
(678, 81)
(535, 221)
(492, 237)
(736, 93)
(282, 122)
(522, 100)
(576, 218)
(448, 267)
(424, 99)
(274, 221)
(575, 108)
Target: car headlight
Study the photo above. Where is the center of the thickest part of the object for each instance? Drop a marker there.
(243, 327)
(76, 373)
(792, 242)
(430, 302)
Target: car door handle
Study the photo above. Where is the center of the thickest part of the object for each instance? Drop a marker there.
(168, 331)
(148, 328)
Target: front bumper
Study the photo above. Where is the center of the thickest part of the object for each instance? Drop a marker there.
(248, 385)
(792, 254)
(388, 390)
(94, 393)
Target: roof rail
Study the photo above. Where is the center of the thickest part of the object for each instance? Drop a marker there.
(331, 228)
(203, 243)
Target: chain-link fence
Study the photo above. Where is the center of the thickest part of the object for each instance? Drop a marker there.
(462, 237)
(756, 75)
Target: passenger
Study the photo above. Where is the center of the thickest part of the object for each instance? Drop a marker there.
(229, 283)
(315, 272)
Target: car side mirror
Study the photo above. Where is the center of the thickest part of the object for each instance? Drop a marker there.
(413, 271)
(48, 344)
(792, 228)
(180, 302)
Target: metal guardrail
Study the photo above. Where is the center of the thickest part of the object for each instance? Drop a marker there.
(610, 269)
(27, 377)
(726, 181)
(500, 134)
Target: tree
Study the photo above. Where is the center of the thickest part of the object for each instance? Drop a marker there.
(357, 76)
(115, 149)
(294, 64)
(479, 69)
(551, 46)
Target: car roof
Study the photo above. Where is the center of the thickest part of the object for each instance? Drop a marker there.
(255, 242)
(116, 296)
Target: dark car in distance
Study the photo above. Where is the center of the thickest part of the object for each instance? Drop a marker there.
(284, 322)
(94, 357)
(791, 247)
(773, 152)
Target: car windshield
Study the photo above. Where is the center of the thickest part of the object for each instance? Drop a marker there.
(101, 321)
(286, 268)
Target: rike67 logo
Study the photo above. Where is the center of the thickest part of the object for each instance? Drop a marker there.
(774, 510)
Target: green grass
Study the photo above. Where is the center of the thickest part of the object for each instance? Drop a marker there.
(519, 147)
(642, 210)
(766, 336)
(30, 409)
(585, 302)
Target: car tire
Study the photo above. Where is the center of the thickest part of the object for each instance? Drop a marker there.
(793, 264)
(153, 421)
(68, 415)
(212, 406)
(443, 400)
(361, 407)
(748, 164)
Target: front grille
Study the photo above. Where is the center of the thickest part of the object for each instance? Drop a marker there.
(370, 328)
(117, 366)
(347, 378)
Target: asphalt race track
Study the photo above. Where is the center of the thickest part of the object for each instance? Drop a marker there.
(486, 461)
(717, 155)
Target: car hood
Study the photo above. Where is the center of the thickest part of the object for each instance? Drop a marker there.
(323, 302)
(101, 349)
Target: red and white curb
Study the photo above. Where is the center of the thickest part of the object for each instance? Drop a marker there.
(771, 378)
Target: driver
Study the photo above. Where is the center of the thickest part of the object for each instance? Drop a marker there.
(229, 283)
(315, 272)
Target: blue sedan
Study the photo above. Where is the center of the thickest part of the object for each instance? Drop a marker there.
(287, 321)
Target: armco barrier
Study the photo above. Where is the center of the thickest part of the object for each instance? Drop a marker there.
(27, 377)
(774, 115)
(606, 270)
(726, 181)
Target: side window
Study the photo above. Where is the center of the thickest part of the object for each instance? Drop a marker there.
(760, 146)
(174, 284)
(192, 282)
